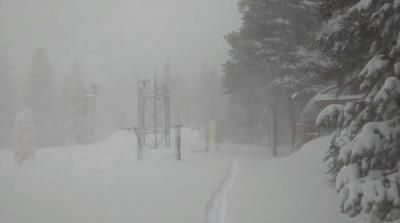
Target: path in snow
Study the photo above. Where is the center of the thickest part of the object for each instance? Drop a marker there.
(217, 205)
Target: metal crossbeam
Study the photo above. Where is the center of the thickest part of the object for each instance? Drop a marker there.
(154, 114)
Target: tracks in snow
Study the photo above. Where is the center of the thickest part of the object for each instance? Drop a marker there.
(217, 205)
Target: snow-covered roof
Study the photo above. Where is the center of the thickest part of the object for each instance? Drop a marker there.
(330, 95)
(335, 93)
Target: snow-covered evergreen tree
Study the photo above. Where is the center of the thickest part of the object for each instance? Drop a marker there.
(6, 101)
(364, 156)
(73, 94)
(41, 98)
(273, 44)
(270, 57)
(208, 93)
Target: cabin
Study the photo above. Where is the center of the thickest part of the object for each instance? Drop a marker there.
(306, 129)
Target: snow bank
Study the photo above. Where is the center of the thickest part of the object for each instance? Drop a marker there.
(104, 183)
(286, 190)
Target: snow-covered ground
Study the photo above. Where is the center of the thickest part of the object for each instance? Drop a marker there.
(105, 183)
(285, 190)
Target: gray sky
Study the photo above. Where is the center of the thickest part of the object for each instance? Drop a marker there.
(118, 37)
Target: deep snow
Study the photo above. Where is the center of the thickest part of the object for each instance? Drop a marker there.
(104, 183)
(285, 190)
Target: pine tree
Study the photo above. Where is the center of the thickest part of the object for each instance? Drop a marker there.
(6, 101)
(364, 158)
(74, 92)
(272, 44)
(342, 37)
(270, 57)
(41, 98)
(208, 93)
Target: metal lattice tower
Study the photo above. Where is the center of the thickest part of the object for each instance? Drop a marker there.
(154, 113)
(88, 116)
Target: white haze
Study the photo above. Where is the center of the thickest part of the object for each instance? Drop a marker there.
(117, 42)
(118, 37)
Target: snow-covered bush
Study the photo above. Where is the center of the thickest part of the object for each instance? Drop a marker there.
(364, 156)
(331, 115)
(24, 135)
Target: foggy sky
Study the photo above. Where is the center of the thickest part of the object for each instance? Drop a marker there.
(118, 37)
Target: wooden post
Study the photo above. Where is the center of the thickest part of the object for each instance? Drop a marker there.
(178, 142)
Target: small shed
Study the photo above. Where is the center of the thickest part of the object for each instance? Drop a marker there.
(306, 129)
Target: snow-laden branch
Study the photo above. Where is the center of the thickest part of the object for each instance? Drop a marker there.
(372, 140)
(389, 90)
(372, 70)
(331, 115)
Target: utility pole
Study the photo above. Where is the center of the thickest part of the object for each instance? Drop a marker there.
(274, 129)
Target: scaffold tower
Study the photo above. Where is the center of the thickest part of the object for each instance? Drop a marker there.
(89, 116)
(154, 113)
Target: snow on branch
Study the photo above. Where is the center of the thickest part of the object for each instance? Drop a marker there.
(390, 89)
(331, 115)
(396, 4)
(368, 193)
(396, 48)
(373, 68)
(371, 140)
(396, 67)
(347, 174)
(361, 5)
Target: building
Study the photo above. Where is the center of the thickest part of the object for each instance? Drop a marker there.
(306, 129)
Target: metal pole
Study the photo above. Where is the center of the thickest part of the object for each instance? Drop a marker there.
(167, 116)
(274, 131)
(155, 113)
(292, 120)
(141, 106)
(139, 144)
(178, 142)
(207, 136)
